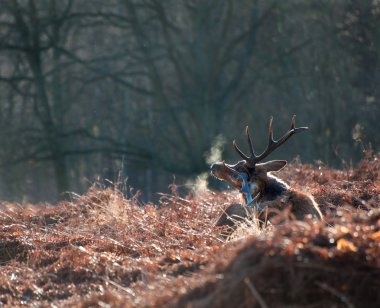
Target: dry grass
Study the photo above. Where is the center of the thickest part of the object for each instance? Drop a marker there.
(102, 249)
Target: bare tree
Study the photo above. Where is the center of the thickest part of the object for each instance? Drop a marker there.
(35, 36)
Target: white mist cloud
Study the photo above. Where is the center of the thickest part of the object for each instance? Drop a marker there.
(200, 183)
(215, 153)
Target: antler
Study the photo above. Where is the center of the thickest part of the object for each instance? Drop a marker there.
(272, 144)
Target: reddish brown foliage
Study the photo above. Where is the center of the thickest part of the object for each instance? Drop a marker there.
(104, 249)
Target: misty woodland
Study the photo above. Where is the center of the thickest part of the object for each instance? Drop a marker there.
(93, 90)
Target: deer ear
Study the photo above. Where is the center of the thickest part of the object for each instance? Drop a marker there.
(273, 165)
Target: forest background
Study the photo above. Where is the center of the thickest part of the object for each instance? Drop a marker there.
(146, 90)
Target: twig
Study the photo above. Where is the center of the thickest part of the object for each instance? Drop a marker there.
(127, 290)
(255, 293)
(335, 292)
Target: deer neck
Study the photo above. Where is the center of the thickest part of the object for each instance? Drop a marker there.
(272, 189)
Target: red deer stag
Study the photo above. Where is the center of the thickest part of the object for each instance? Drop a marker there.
(262, 192)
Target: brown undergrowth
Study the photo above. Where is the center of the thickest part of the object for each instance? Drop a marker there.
(103, 249)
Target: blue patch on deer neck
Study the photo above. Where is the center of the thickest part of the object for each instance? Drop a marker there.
(245, 189)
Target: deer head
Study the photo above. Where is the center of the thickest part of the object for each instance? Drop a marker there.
(248, 175)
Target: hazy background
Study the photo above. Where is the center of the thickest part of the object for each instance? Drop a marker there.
(144, 89)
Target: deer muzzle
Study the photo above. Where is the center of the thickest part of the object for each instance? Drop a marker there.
(222, 171)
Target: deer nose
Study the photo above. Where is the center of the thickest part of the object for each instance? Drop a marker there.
(215, 167)
(212, 168)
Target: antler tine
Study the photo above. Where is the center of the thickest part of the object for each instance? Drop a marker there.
(270, 141)
(293, 123)
(251, 150)
(250, 159)
(274, 144)
(239, 151)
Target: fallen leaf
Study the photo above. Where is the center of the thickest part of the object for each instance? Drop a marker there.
(344, 245)
(375, 236)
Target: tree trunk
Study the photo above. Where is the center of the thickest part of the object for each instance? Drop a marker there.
(61, 176)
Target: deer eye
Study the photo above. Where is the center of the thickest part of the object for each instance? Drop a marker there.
(248, 170)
